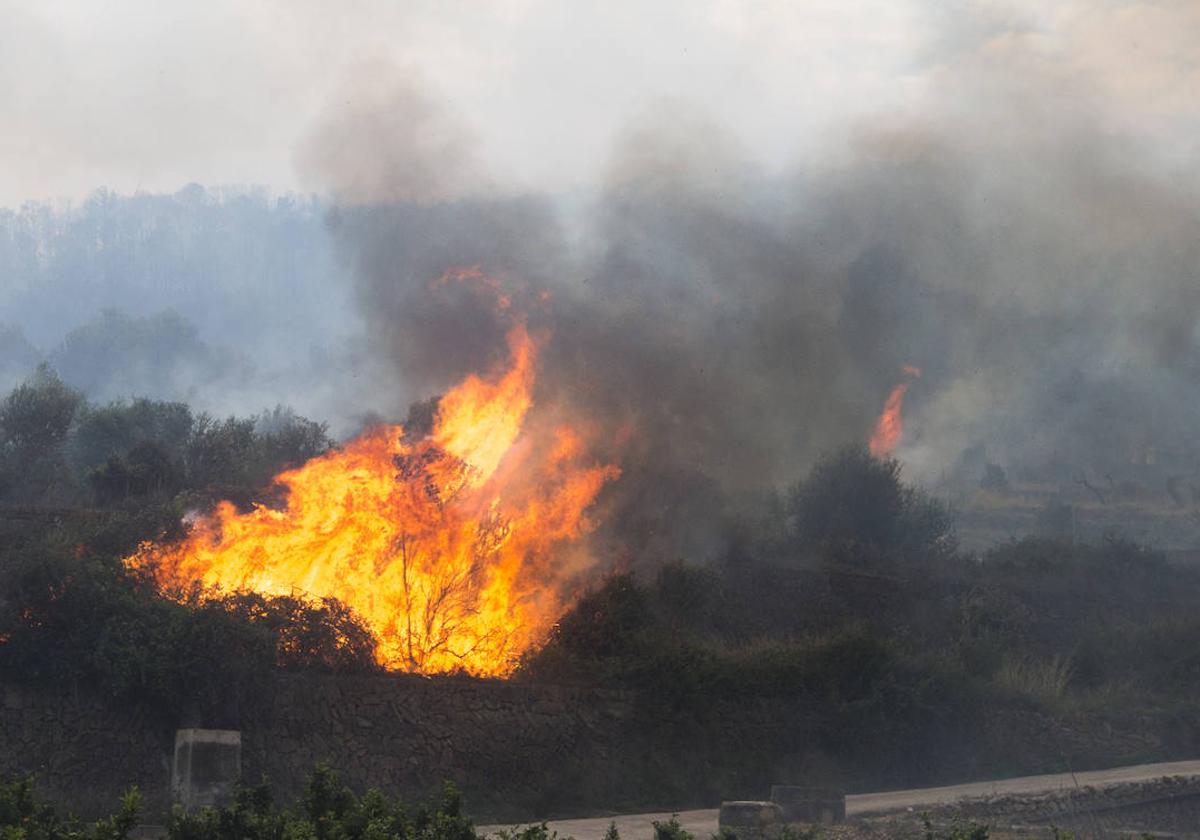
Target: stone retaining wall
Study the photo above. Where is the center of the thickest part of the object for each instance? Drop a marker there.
(517, 750)
(513, 748)
(84, 752)
(1168, 804)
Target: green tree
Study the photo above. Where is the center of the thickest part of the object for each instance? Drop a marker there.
(147, 470)
(220, 451)
(103, 432)
(36, 416)
(35, 419)
(23, 816)
(288, 440)
(854, 498)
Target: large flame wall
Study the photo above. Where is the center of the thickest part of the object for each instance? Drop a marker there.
(450, 547)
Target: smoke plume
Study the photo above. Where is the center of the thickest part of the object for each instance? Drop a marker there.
(724, 325)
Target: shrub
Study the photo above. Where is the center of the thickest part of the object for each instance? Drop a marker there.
(329, 810)
(852, 497)
(36, 416)
(146, 470)
(24, 816)
(70, 617)
(540, 831)
(671, 830)
(35, 419)
(1043, 680)
(288, 440)
(956, 830)
(110, 431)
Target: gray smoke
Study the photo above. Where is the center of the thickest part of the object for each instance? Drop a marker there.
(1010, 243)
(229, 299)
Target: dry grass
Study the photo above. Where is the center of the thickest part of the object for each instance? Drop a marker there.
(1045, 680)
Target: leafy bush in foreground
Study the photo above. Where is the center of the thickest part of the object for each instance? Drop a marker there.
(329, 810)
(23, 816)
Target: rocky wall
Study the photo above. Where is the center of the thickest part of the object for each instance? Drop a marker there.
(519, 750)
(1167, 804)
(82, 751)
(513, 748)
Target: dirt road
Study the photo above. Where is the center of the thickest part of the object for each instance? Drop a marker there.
(703, 823)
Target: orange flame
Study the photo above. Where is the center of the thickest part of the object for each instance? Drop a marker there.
(889, 428)
(450, 548)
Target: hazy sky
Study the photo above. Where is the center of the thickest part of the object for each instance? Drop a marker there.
(147, 94)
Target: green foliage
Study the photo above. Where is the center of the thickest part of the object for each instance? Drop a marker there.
(607, 622)
(71, 617)
(853, 498)
(538, 831)
(288, 440)
(251, 816)
(329, 810)
(250, 452)
(36, 416)
(671, 830)
(54, 448)
(23, 816)
(110, 431)
(790, 831)
(220, 451)
(146, 470)
(850, 496)
(889, 648)
(845, 600)
(120, 824)
(1049, 559)
(322, 635)
(1045, 681)
(955, 831)
(35, 419)
(72, 614)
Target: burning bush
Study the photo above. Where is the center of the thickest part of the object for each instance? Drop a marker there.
(453, 548)
(70, 617)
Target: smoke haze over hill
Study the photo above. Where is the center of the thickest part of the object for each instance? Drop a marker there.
(997, 200)
(1017, 249)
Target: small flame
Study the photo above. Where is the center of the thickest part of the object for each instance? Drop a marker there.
(889, 428)
(449, 548)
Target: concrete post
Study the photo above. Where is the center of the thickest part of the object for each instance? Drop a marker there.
(810, 805)
(207, 765)
(749, 820)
